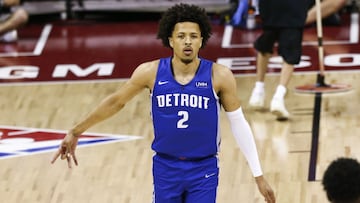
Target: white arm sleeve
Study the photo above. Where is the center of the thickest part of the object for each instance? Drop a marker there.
(245, 139)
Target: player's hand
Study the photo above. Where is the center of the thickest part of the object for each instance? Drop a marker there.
(67, 149)
(265, 189)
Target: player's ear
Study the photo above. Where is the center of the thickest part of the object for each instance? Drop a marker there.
(171, 42)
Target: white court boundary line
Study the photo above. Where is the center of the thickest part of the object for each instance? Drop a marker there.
(39, 47)
(353, 36)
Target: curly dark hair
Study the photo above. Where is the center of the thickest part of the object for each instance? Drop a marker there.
(341, 180)
(183, 13)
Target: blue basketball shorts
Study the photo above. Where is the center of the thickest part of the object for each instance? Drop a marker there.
(185, 181)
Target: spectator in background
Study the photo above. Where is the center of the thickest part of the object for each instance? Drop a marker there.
(329, 12)
(341, 181)
(11, 19)
(283, 22)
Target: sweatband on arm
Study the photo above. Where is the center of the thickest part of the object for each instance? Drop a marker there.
(245, 140)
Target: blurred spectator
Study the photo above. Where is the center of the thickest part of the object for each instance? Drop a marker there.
(329, 12)
(341, 181)
(239, 17)
(11, 18)
(282, 23)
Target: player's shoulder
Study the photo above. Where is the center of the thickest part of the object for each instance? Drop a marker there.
(145, 73)
(147, 68)
(149, 65)
(223, 77)
(221, 70)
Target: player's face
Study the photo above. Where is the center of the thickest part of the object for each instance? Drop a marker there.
(186, 41)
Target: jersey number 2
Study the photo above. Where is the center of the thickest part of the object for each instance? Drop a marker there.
(184, 117)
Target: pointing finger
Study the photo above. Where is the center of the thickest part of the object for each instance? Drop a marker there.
(57, 154)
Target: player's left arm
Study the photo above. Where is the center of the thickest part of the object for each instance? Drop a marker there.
(225, 85)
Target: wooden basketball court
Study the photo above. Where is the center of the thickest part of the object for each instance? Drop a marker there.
(59, 71)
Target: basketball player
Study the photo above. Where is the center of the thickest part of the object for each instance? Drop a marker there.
(283, 22)
(341, 181)
(187, 92)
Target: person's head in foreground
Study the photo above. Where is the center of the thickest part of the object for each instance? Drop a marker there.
(341, 181)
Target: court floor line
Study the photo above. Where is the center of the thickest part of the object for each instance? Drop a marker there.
(315, 137)
(39, 47)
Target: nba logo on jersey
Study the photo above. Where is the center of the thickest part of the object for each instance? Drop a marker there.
(15, 141)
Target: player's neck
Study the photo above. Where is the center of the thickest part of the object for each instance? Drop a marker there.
(185, 67)
(184, 72)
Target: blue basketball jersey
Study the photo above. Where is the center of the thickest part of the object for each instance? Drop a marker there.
(185, 117)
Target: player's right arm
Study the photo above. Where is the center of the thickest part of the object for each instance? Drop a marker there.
(143, 77)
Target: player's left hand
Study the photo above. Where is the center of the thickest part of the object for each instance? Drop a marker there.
(67, 149)
(265, 189)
